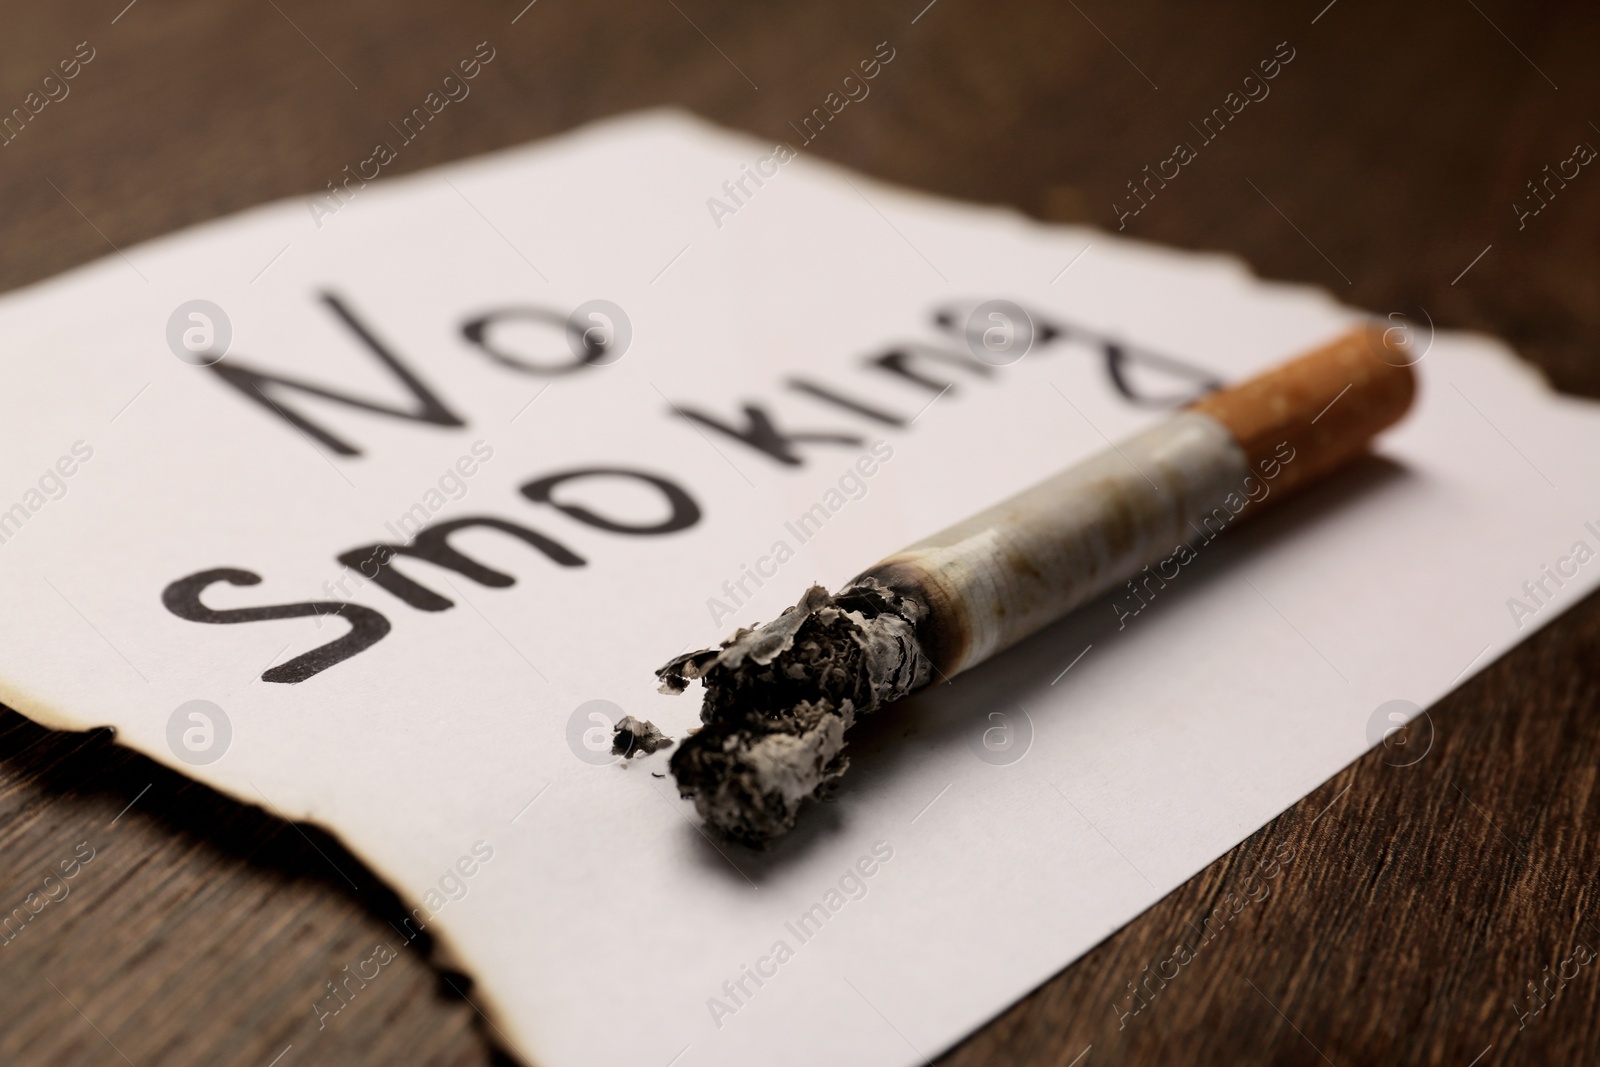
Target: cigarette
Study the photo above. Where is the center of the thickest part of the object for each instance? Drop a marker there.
(779, 698)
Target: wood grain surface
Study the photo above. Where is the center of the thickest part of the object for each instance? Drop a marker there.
(1396, 915)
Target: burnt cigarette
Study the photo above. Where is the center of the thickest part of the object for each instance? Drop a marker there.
(779, 698)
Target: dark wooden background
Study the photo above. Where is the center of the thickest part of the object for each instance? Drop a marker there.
(1421, 899)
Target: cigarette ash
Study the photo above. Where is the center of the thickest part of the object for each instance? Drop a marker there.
(634, 738)
(779, 698)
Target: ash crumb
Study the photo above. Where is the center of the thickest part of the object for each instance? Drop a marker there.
(635, 738)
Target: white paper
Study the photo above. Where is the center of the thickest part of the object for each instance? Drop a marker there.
(1241, 687)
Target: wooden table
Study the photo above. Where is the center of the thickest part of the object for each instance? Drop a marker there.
(1383, 166)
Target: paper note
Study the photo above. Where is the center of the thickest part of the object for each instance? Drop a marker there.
(379, 510)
